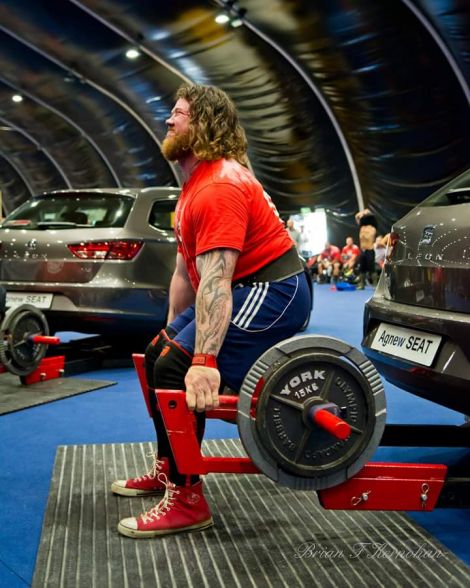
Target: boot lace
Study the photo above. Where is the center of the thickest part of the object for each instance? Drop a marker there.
(154, 470)
(165, 503)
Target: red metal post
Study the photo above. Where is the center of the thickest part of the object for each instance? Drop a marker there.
(180, 427)
(139, 364)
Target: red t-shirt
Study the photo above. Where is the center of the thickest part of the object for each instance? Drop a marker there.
(349, 251)
(223, 206)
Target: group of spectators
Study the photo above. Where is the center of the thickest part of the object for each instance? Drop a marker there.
(334, 264)
(357, 264)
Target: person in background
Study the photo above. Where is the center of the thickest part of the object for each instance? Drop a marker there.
(329, 264)
(294, 234)
(380, 249)
(238, 289)
(312, 266)
(367, 234)
(349, 256)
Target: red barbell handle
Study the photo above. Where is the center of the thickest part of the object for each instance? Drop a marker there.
(47, 340)
(331, 423)
(226, 401)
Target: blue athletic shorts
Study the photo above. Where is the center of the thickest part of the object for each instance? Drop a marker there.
(263, 314)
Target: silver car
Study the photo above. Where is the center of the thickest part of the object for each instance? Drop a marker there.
(417, 324)
(95, 261)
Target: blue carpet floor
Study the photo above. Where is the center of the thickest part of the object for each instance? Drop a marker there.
(29, 438)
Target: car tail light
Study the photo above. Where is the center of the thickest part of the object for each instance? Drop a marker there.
(123, 249)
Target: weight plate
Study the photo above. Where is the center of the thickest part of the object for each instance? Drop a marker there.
(285, 382)
(19, 355)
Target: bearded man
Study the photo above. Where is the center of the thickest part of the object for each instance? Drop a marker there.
(238, 289)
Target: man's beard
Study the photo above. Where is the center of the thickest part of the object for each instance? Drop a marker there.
(175, 147)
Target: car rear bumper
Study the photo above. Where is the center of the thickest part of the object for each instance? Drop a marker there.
(447, 380)
(119, 328)
(103, 310)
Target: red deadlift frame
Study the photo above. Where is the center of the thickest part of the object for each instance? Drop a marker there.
(24, 339)
(377, 486)
(24, 343)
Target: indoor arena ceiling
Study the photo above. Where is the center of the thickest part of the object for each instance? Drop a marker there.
(346, 103)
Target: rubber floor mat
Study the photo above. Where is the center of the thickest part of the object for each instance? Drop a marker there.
(264, 535)
(14, 396)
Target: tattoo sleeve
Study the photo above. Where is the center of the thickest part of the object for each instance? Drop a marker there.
(214, 298)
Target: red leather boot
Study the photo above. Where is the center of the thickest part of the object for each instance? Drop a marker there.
(183, 508)
(147, 485)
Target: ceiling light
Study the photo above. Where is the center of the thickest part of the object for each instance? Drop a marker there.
(222, 18)
(236, 22)
(132, 54)
(17, 98)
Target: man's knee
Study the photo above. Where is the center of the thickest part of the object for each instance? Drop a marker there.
(153, 350)
(171, 366)
(166, 364)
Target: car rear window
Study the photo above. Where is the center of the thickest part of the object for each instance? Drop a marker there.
(71, 210)
(162, 215)
(457, 192)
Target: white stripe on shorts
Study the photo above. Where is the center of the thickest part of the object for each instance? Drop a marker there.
(251, 305)
(252, 293)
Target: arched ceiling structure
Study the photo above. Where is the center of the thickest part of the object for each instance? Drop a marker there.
(346, 103)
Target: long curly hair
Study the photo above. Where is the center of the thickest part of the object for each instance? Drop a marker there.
(215, 130)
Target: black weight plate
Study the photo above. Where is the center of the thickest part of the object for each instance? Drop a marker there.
(296, 443)
(272, 437)
(19, 355)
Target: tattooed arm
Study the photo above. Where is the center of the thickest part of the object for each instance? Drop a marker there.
(213, 313)
(214, 298)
